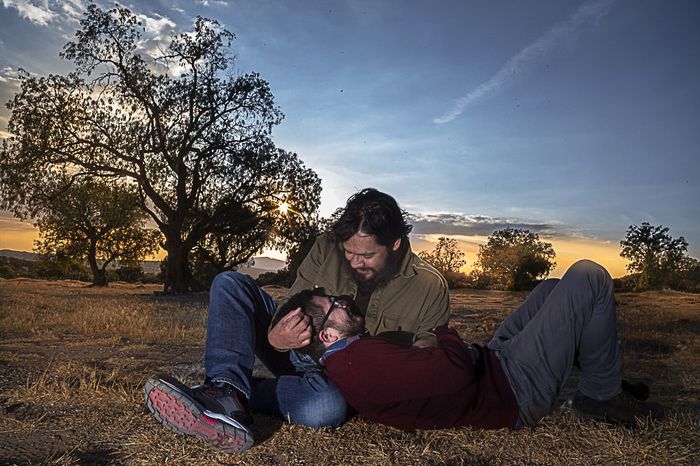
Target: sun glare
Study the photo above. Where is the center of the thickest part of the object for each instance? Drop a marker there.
(283, 207)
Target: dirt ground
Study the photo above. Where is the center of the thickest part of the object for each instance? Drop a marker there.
(73, 361)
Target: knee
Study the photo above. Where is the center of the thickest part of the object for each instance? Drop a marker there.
(325, 408)
(589, 267)
(595, 272)
(229, 280)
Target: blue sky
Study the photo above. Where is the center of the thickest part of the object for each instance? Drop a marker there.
(574, 119)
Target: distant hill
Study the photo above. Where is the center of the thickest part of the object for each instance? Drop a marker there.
(24, 255)
(262, 264)
(268, 264)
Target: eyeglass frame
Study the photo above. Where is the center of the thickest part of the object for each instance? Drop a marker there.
(336, 302)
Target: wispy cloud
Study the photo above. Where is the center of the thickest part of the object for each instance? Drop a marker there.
(36, 11)
(589, 13)
(213, 2)
(73, 9)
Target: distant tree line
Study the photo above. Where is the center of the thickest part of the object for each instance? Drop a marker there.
(511, 259)
(61, 267)
(516, 259)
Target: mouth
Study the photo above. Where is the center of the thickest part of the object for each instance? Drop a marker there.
(364, 271)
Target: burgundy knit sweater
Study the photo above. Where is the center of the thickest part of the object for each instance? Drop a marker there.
(431, 388)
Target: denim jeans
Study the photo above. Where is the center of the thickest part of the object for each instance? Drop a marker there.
(562, 322)
(238, 319)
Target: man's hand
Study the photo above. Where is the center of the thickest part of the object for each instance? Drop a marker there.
(293, 331)
(428, 341)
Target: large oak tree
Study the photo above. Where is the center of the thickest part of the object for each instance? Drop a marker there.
(194, 138)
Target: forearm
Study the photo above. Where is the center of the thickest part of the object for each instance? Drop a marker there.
(427, 341)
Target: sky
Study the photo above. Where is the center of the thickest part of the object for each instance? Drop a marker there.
(572, 119)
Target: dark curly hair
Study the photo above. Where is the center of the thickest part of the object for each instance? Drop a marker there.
(374, 213)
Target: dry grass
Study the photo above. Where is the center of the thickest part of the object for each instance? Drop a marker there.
(56, 309)
(73, 361)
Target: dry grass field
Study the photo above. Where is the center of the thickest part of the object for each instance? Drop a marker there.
(73, 361)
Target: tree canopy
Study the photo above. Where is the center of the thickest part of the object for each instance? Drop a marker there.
(658, 258)
(445, 256)
(191, 137)
(514, 259)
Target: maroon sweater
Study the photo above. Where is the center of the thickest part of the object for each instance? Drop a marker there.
(431, 388)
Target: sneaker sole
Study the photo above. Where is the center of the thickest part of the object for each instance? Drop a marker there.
(180, 413)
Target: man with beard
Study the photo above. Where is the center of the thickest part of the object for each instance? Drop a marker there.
(366, 255)
(510, 383)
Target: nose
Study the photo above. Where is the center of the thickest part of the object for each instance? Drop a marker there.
(356, 262)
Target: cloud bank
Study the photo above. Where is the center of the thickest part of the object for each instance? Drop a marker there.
(473, 225)
(158, 28)
(589, 13)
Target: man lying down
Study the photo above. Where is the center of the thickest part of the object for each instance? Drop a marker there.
(512, 382)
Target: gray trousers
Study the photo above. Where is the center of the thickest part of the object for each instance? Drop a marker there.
(562, 322)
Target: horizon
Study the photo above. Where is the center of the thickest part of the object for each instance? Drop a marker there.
(573, 119)
(567, 253)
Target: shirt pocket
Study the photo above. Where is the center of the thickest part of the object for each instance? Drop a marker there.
(391, 323)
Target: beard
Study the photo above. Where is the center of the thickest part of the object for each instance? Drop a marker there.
(382, 276)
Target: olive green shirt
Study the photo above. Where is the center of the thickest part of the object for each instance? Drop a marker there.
(416, 300)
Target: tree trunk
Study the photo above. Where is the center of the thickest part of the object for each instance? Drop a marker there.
(99, 277)
(178, 276)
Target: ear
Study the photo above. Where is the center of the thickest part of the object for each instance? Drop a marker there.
(397, 245)
(328, 336)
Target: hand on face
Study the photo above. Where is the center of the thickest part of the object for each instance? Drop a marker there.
(291, 332)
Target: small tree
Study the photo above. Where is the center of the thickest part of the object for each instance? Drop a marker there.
(448, 259)
(59, 265)
(445, 256)
(513, 259)
(96, 222)
(658, 258)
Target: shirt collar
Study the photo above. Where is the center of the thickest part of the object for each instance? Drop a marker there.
(406, 262)
(337, 346)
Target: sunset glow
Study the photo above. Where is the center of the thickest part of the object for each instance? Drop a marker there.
(568, 251)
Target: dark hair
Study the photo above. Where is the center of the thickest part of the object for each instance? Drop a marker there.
(304, 300)
(374, 213)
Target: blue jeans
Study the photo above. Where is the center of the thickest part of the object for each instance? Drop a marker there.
(562, 322)
(239, 317)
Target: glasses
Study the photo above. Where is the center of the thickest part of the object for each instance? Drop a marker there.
(335, 302)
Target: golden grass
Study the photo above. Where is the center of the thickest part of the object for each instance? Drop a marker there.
(54, 308)
(73, 361)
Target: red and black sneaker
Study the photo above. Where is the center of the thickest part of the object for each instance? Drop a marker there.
(216, 413)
